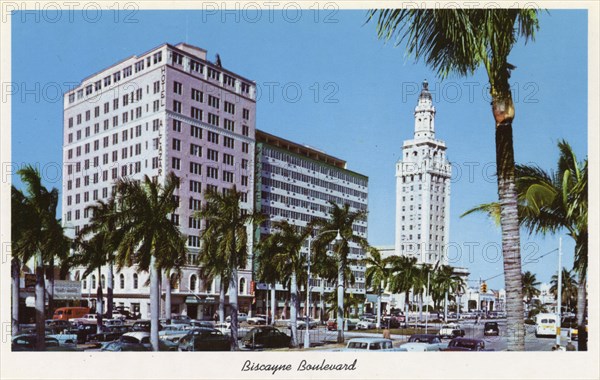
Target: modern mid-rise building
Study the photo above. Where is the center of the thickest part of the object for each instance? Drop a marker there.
(166, 110)
(295, 184)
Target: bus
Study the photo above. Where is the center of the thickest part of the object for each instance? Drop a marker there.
(545, 324)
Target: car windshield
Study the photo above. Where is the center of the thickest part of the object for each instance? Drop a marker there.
(420, 339)
(359, 345)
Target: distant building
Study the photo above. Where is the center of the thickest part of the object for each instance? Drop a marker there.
(295, 183)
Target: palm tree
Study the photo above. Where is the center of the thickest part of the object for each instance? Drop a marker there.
(568, 287)
(377, 276)
(551, 201)
(341, 220)
(213, 267)
(444, 282)
(226, 229)
(530, 287)
(459, 41)
(150, 238)
(283, 252)
(103, 222)
(39, 235)
(403, 275)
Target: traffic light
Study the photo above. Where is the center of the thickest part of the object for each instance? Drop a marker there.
(483, 288)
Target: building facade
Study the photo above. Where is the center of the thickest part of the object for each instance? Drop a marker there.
(295, 183)
(423, 190)
(166, 110)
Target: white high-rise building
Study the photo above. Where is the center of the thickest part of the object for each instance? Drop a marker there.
(423, 190)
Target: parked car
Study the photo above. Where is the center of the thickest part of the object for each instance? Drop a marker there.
(391, 322)
(144, 326)
(369, 344)
(59, 323)
(224, 327)
(368, 317)
(71, 312)
(204, 339)
(197, 323)
(365, 325)
(256, 320)
(423, 342)
(87, 318)
(350, 323)
(138, 341)
(175, 319)
(266, 337)
(463, 344)
(242, 317)
(301, 323)
(451, 330)
(491, 328)
(27, 342)
(84, 331)
(110, 334)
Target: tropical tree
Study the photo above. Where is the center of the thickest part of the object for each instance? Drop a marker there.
(403, 276)
(150, 238)
(283, 252)
(444, 282)
(549, 202)
(568, 288)
(530, 287)
(36, 234)
(459, 41)
(226, 233)
(377, 276)
(341, 221)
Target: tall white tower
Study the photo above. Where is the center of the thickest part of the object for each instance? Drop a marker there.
(423, 190)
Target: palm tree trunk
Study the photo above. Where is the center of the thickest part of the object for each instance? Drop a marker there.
(420, 307)
(581, 327)
(340, 301)
(221, 300)
(273, 305)
(40, 293)
(322, 300)
(168, 296)
(110, 278)
(378, 325)
(154, 304)
(16, 283)
(51, 287)
(100, 300)
(233, 304)
(293, 308)
(509, 222)
(406, 301)
(446, 306)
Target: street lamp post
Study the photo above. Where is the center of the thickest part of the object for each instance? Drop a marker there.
(310, 238)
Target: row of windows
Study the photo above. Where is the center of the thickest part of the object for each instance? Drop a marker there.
(329, 184)
(314, 166)
(286, 186)
(116, 77)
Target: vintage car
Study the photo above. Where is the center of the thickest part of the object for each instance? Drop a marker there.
(464, 344)
(491, 328)
(423, 342)
(369, 344)
(451, 330)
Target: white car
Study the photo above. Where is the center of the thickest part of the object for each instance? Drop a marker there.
(369, 344)
(87, 318)
(224, 328)
(256, 320)
(451, 330)
(365, 325)
(301, 323)
(242, 317)
(423, 342)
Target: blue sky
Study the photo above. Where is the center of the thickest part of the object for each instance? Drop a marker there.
(325, 80)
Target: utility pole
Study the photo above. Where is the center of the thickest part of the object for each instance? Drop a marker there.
(559, 292)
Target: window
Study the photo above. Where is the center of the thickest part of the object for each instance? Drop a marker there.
(213, 137)
(177, 145)
(195, 186)
(70, 122)
(135, 281)
(195, 150)
(212, 172)
(213, 101)
(245, 130)
(197, 95)
(213, 74)
(246, 114)
(122, 281)
(107, 81)
(245, 88)
(227, 176)
(176, 163)
(176, 106)
(177, 125)
(193, 281)
(195, 168)
(71, 98)
(157, 57)
(156, 87)
(244, 180)
(139, 66)
(229, 107)
(127, 72)
(196, 113)
(245, 147)
(229, 125)
(244, 163)
(117, 76)
(212, 155)
(242, 285)
(228, 142)
(88, 89)
(213, 119)
(196, 66)
(125, 100)
(78, 119)
(227, 159)
(196, 132)
(93, 282)
(177, 58)
(177, 88)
